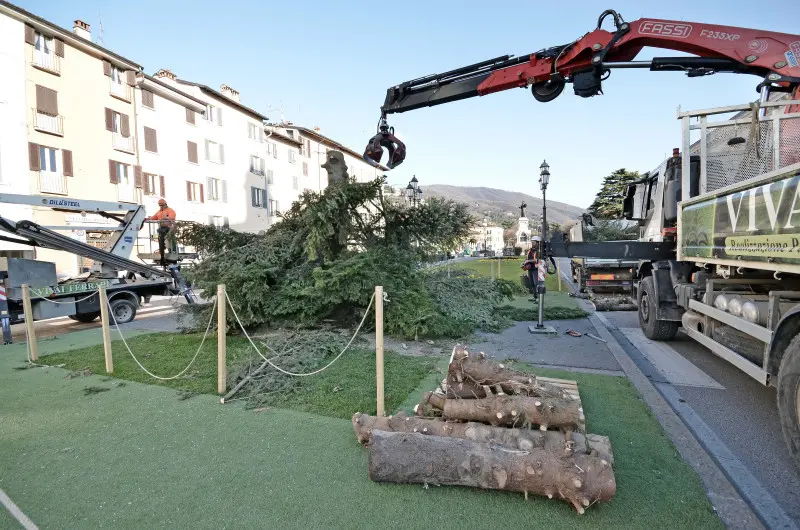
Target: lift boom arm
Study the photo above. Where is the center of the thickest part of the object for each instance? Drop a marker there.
(585, 63)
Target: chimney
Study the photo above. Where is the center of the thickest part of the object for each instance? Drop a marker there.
(82, 30)
(317, 129)
(229, 93)
(165, 74)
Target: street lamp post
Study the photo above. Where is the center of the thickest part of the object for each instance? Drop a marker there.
(544, 180)
(413, 192)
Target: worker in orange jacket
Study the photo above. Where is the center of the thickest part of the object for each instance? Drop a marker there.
(166, 216)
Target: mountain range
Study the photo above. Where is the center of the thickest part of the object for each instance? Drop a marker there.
(500, 205)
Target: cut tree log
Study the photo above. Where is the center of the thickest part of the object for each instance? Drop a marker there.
(511, 411)
(556, 442)
(476, 376)
(580, 479)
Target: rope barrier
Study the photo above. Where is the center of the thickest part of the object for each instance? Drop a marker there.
(278, 368)
(148, 372)
(74, 302)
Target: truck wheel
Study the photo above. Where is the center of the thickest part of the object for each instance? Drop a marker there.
(789, 398)
(124, 310)
(85, 317)
(653, 328)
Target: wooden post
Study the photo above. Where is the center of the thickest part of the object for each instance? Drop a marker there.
(222, 368)
(106, 330)
(499, 263)
(29, 326)
(379, 347)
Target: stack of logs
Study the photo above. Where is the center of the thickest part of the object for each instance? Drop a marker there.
(480, 432)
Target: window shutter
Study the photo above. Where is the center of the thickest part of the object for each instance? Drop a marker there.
(207, 152)
(252, 195)
(305, 169)
(219, 115)
(109, 120)
(30, 35)
(33, 156)
(192, 149)
(209, 184)
(261, 135)
(125, 125)
(263, 165)
(221, 154)
(66, 160)
(224, 185)
(275, 151)
(225, 222)
(188, 191)
(161, 179)
(148, 99)
(308, 148)
(59, 47)
(112, 172)
(189, 116)
(106, 68)
(137, 176)
(264, 201)
(150, 140)
(146, 184)
(130, 77)
(202, 198)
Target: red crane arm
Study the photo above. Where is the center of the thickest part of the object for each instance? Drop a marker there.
(756, 51)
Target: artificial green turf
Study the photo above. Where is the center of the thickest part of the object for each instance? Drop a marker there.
(346, 387)
(138, 457)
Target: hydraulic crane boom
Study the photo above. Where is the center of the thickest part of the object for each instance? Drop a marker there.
(587, 62)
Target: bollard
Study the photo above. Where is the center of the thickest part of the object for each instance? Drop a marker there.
(29, 327)
(222, 369)
(106, 330)
(379, 347)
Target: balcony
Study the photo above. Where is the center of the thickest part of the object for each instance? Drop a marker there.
(52, 182)
(121, 143)
(49, 62)
(47, 123)
(120, 90)
(257, 171)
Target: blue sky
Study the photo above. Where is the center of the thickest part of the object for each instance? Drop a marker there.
(328, 64)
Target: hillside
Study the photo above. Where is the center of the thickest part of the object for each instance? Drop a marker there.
(503, 204)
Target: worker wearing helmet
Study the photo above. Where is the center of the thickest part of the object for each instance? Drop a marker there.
(531, 264)
(166, 217)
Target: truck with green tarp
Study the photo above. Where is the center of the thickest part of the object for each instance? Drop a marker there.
(726, 207)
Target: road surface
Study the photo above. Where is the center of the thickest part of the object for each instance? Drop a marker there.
(740, 412)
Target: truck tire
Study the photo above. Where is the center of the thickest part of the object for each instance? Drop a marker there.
(653, 328)
(85, 317)
(124, 310)
(789, 398)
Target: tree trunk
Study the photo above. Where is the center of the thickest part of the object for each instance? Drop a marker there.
(556, 442)
(511, 411)
(579, 479)
(475, 376)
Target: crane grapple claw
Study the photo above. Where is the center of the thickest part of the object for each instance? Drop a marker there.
(385, 138)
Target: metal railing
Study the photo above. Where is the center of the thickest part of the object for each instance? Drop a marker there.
(52, 182)
(46, 61)
(48, 123)
(122, 143)
(120, 90)
(759, 138)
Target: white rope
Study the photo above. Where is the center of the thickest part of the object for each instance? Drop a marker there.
(74, 302)
(148, 372)
(278, 368)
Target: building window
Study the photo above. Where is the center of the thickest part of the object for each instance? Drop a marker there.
(270, 177)
(213, 114)
(308, 148)
(272, 149)
(217, 190)
(305, 169)
(255, 132)
(194, 192)
(46, 54)
(291, 156)
(258, 197)
(273, 208)
(215, 152)
(152, 184)
(295, 183)
(119, 87)
(256, 165)
(218, 221)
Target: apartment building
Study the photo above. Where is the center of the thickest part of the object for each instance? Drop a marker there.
(285, 176)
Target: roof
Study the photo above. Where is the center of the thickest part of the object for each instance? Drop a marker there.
(276, 135)
(66, 35)
(219, 95)
(333, 143)
(173, 89)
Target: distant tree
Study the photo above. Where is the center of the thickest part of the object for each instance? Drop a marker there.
(611, 230)
(506, 224)
(608, 201)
